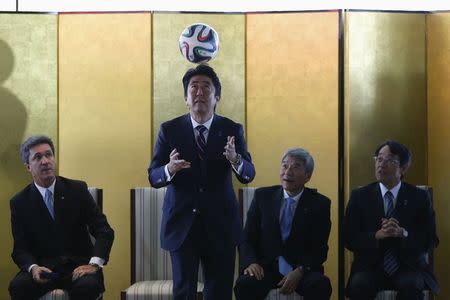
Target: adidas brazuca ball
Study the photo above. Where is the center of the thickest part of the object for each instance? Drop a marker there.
(199, 43)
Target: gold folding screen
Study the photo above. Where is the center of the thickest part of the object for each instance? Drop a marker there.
(120, 75)
(104, 117)
(386, 90)
(28, 105)
(292, 101)
(438, 70)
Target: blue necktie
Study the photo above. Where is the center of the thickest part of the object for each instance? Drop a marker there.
(49, 202)
(200, 141)
(285, 225)
(390, 263)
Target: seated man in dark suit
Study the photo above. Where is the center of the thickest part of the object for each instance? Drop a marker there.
(389, 226)
(51, 219)
(286, 236)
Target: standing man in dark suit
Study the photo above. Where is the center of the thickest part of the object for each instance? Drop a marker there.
(50, 219)
(286, 236)
(195, 156)
(389, 226)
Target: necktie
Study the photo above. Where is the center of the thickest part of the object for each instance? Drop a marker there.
(390, 263)
(49, 202)
(285, 225)
(200, 142)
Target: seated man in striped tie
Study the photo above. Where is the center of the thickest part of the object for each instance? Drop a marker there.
(50, 219)
(286, 236)
(389, 226)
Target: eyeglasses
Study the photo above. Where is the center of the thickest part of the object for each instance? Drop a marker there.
(390, 161)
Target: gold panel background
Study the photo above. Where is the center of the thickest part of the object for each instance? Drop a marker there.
(104, 117)
(385, 92)
(28, 105)
(386, 89)
(169, 65)
(292, 101)
(438, 70)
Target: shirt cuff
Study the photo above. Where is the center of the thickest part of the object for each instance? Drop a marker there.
(239, 169)
(97, 260)
(31, 267)
(166, 171)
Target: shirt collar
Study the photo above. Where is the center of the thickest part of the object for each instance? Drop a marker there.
(207, 124)
(42, 189)
(394, 190)
(295, 198)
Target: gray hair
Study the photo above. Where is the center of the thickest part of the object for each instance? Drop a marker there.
(303, 155)
(31, 142)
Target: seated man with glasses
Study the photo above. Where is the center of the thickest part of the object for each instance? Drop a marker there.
(389, 226)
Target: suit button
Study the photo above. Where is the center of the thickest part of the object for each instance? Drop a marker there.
(201, 190)
(194, 210)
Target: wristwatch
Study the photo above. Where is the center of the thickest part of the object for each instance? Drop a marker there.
(97, 266)
(238, 160)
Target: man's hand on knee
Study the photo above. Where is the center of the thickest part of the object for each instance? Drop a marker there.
(83, 270)
(255, 270)
(290, 282)
(36, 273)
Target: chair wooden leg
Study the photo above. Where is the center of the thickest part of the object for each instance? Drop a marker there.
(199, 295)
(123, 295)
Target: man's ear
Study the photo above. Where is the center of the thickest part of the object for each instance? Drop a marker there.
(309, 177)
(404, 169)
(27, 165)
(217, 98)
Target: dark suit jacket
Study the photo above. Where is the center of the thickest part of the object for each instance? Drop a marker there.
(363, 219)
(38, 239)
(206, 187)
(307, 244)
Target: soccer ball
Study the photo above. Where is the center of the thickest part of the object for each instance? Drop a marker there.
(199, 43)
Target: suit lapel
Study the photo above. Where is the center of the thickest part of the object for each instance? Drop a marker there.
(38, 202)
(277, 199)
(402, 200)
(376, 204)
(58, 199)
(215, 138)
(301, 211)
(188, 136)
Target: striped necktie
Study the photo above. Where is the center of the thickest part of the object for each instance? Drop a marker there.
(390, 263)
(200, 142)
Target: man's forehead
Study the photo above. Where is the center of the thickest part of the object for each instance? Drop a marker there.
(200, 79)
(293, 160)
(40, 148)
(386, 151)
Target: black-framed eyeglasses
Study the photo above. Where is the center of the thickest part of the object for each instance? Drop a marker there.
(388, 160)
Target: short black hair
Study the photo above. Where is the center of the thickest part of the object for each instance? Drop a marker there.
(398, 149)
(30, 143)
(205, 70)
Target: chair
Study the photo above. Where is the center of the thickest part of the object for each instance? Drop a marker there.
(391, 295)
(245, 199)
(59, 294)
(151, 270)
